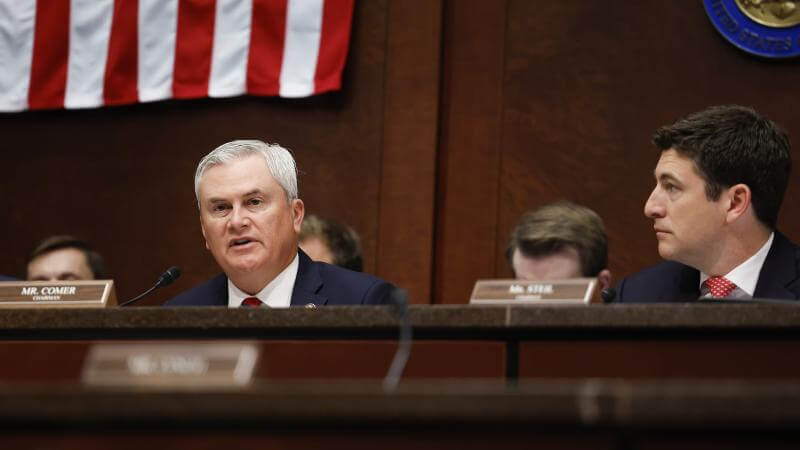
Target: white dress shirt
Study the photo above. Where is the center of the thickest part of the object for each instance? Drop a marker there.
(276, 294)
(744, 276)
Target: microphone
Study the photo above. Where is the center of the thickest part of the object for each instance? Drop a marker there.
(608, 295)
(398, 300)
(166, 278)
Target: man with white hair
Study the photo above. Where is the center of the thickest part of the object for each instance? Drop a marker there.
(250, 216)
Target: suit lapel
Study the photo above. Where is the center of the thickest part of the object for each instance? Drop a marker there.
(779, 274)
(308, 283)
(219, 287)
(688, 284)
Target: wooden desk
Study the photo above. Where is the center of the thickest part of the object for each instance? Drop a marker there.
(577, 414)
(591, 377)
(519, 342)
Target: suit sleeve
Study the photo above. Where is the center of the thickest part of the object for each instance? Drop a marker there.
(620, 298)
(378, 293)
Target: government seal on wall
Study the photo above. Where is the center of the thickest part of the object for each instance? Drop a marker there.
(769, 28)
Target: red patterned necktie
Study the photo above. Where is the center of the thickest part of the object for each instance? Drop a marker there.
(720, 286)
(252, 302)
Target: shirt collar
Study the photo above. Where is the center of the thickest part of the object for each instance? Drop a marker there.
(745, 275)
(276, 294)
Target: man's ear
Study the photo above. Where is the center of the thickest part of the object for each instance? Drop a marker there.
(298, 212)
(604, 279)
(738, 201)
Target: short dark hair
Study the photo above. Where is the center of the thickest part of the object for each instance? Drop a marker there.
(731, 145)
(342, 240)
(553, 227)
(53, 243)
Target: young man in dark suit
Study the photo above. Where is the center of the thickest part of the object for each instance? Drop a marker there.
(250, 216)
(720, 182)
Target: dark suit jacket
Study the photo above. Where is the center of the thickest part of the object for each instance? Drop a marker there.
(674, 282)
(316, 282)
(5, 278)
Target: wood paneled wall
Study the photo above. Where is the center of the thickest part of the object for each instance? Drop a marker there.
(123, 177)
(557, 100)
(455, 117)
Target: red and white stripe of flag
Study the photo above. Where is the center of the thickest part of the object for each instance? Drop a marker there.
(90, 53)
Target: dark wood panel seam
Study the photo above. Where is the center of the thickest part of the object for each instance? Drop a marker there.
(499, 143)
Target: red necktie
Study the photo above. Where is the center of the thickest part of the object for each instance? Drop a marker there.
(252, 302)
(720, 286)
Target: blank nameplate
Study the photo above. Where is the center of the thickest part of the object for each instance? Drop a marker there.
(57, 294)
(171, 364)
(543, 292)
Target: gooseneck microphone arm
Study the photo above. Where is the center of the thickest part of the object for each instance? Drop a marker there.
(166, 278)
(398, 299)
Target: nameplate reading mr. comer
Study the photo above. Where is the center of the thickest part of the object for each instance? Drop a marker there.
(57, 294)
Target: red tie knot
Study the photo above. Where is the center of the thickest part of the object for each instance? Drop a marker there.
(720, 286)
(252, 302)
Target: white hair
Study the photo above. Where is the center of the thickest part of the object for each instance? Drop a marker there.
(279, 161)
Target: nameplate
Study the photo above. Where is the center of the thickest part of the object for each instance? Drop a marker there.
(516, 292)
(171, 364)
(57, 294)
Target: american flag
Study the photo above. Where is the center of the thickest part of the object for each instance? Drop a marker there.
(90, 53)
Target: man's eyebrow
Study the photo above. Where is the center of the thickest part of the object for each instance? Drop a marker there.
(667, 176)
(67, 274)
(213, 200)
